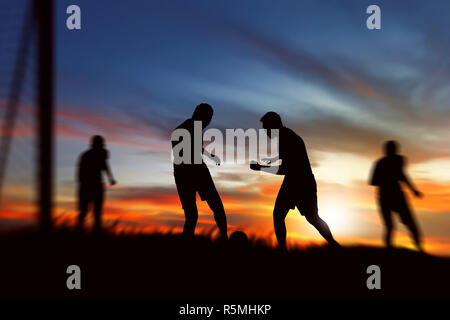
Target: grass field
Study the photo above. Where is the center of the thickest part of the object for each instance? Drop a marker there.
(165, 266)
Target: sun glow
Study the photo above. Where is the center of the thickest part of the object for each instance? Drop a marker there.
(336, 215)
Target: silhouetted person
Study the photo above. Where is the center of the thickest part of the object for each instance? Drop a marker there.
(192, 175)
(299, 185)
(91, 166)
(387, 174)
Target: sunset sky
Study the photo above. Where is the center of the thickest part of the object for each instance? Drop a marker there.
(138, 68)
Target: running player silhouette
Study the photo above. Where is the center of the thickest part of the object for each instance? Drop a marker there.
(91, 166)
(191, 173)
(387, 174)
(299, 185)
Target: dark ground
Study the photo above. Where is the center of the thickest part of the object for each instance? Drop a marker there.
(164, 266)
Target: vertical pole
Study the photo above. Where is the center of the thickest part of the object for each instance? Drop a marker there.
(20, 67)
(44, 13)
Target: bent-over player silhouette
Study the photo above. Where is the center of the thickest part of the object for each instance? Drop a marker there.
(387, 174)
(192, 175)
(91, 165)
(299, 187)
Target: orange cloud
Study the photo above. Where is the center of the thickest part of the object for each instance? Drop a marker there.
(100, 121)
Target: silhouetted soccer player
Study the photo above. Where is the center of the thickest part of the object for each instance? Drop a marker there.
(387, 174)
(299, 185)
(91, 166)
(192, 175)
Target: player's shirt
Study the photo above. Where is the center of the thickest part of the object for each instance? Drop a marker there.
(189, 126)
(192, 177)
(294, 157)
(387, 174)
(91, 165)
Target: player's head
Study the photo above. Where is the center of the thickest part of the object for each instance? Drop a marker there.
(97, 142)
(203, 112)
(271, 120)
(391, 147)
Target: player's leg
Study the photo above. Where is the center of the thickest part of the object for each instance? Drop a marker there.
(321, 226)
(216, 205)
(409, 221)
(386, 215)
(280, 211)
(187, 194)
(191, 216)
(308, 207)
(208, 193)
(83, 207)
(283, 204)
(98, 208)
(190, 212)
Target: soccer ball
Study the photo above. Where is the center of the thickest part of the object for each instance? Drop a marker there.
(239, 238)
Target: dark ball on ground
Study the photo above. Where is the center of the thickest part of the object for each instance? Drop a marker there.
(239, 238)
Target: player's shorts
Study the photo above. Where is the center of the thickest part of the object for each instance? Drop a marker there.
(300, 193)
(395, 201)
(90, 192)
(191, 179)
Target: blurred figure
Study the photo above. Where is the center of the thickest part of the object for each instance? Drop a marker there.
(387, 174)
(191, 173)
(91, 166)
(299, 187)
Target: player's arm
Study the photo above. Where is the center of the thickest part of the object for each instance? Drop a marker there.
(271, 159)
(108, 171)
(404, 177)
(78, 172)
(373, 180)
(279, 170)
(112, 181)
(211, 156)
